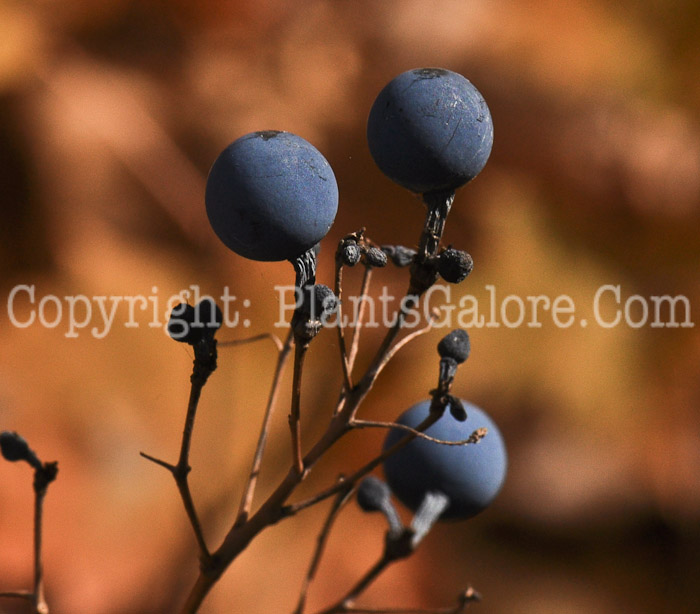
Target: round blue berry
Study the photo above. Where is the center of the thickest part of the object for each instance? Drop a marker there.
(430, 130)
(470, 475)
(271, 196)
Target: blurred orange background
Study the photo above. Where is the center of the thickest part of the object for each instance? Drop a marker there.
(112, 112)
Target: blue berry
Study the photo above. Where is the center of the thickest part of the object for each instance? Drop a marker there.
(470, 475)
(375, 257)
(430, 130)
(271, 196)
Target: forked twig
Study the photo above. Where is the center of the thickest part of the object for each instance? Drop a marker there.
(275, 508)
(349, 482)
(181, 470)
(204, 365)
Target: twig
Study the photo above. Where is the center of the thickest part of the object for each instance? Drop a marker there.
(204, 365)
(249, 489)
(28, 595)
(350, 481)
(338, 503)
(42, 478)
(344, 603)
(467, 597)
(475, 437)
(338, 289)
(392, 351)
(180, 473)
(44, 474)
(364, 289)
(275, 508)
(14, 448)
(295, 412)
(274, 338)
(399, 546)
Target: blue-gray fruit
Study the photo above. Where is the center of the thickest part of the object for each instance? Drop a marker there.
(271, 196)
(430, 130)
(470, 475)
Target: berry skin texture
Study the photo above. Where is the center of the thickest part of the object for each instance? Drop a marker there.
(271, 196)
(470, 475)
(430, 130)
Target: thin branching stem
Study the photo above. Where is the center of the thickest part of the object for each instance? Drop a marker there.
(362, 307)
(473, 438)
(236, 342)
(350, 481)
(295, 411)
(394, 349)
(275, 508)
(467, 597)
(249, 489)
(40, 605)
(44, 474)
(338, 289)
(338, 503)
(181, 470)
(29, 596)
(345, 602)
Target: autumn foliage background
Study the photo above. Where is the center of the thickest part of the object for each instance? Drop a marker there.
(111, 113)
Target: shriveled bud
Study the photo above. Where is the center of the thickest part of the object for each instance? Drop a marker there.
(457, 409)
(207, 317)
(320, 301)
(399, 255)
(15, 448)
(455, 345)
(373, 495)
(454, 265)
(188, 324)
(180, 323)
(375, 257)
(350, 253)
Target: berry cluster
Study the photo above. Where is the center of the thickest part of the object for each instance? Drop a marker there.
(272, 196)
